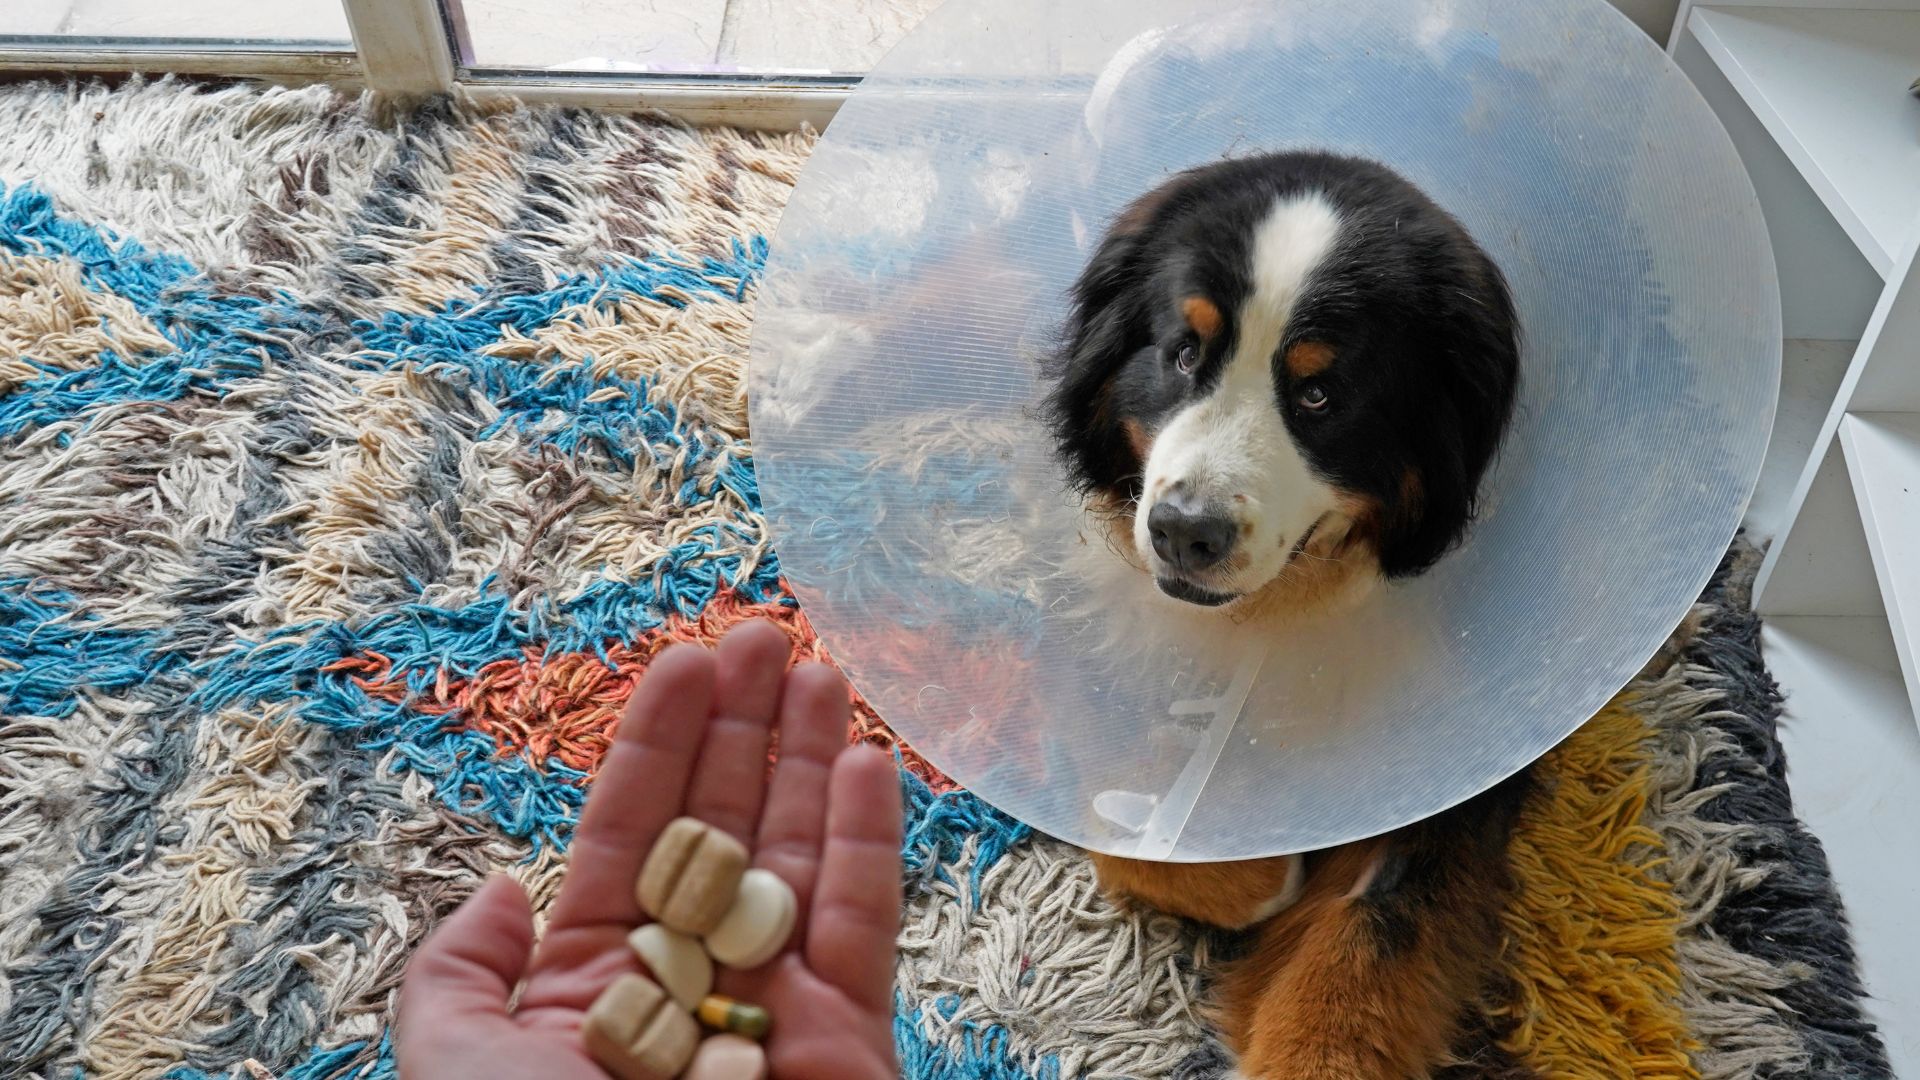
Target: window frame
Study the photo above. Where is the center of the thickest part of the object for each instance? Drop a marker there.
(417, 47)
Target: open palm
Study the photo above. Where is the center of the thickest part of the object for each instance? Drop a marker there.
(694, 741)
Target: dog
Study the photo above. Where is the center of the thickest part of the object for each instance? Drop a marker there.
(1281, 381)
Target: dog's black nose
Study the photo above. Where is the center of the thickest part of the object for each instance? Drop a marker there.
(1188, 536)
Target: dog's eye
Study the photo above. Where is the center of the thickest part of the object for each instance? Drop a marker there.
(1313, 399)
(1185, 358)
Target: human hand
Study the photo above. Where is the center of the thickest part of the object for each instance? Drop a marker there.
(693, 741)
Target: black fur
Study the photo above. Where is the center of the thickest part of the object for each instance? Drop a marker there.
(1456, 850)
(1423, 329)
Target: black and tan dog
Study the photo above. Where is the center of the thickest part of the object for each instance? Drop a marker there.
(1282, 382)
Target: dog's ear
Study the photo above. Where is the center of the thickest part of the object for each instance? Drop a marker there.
(1471, 376)
(1107, 323)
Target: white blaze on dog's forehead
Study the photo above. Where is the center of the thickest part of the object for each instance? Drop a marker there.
(1296, 237)
(1232, 446)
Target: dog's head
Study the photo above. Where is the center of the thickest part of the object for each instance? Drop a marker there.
(1280, 365)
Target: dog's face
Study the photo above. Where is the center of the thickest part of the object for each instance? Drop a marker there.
(1283, 364)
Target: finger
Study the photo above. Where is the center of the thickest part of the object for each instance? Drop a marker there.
(730, 778)
(640, 787)
(814, 713)
(470, 963)
(856, 907)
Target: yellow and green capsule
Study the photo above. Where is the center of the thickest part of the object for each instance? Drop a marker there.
(725, 1014)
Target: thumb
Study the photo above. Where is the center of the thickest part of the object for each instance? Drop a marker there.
(472, 961)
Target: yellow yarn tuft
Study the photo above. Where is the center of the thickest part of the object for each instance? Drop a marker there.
(1591, 936)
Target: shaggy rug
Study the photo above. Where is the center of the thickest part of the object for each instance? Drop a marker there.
(354, 464)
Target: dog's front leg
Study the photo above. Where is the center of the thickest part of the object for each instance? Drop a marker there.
(1227, 894)
(1369, 974)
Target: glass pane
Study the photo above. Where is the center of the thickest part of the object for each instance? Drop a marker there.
(711, 37)
(308, 24)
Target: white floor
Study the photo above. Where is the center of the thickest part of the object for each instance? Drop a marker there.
(1853, 760)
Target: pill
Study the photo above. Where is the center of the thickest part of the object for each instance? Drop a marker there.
(725, 1014)
(727, 1057)
(691, 876)
(677, 962)
(755, 928)
(636, 1032)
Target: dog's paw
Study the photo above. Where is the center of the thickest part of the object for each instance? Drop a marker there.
(1229, 894)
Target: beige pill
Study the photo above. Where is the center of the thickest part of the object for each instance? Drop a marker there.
(636, 1033)
(691, 876)
(727, 1057)
(677, 962)
(755, 928)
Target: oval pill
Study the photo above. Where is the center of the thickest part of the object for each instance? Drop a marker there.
(756, 927)
(677, 962)
(727, 1057)
(691, 876)
(722, 1013)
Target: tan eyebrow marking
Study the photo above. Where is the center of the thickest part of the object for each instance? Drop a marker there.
(1201, 315)
(1309, 358)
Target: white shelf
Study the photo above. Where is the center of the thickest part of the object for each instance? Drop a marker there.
(1830, 85)
(1810, 376)
(1883, 461)
(1853, 753)
(1820, 563)
(1814, 95)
